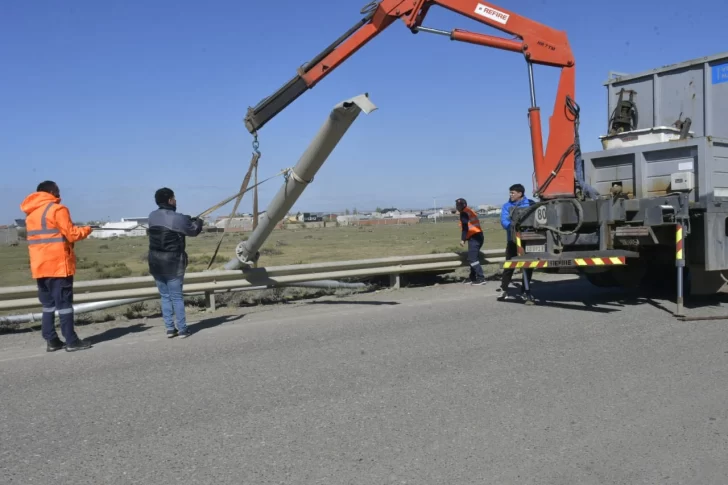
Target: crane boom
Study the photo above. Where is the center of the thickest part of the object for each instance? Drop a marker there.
(554, 170)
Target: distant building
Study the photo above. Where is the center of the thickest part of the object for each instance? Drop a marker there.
(346, 220)
(236, 224)
(309, 217)
(9, 236)
(120, 229)
(138, 220)
(397, 214)
(489, 210)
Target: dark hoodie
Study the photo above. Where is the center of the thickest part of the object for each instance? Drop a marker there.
(167, 241)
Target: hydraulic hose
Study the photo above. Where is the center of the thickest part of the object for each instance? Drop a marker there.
(588, 190)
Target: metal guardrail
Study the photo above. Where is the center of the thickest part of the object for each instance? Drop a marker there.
(23, 297)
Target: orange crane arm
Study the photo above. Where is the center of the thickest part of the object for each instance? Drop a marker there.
(539, 44)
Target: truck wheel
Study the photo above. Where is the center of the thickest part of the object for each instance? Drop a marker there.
(603, 279)
(631, 275)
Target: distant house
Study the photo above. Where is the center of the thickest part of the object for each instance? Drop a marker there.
(397, 214)
(489, 210)
(346, 220)
(309, 217)
(236, 224)
(120, 229)
(138, 220)
(9, 236)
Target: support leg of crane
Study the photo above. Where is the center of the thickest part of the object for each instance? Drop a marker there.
(680, 264)
(679, 310)
(527, 288)
(333, 129)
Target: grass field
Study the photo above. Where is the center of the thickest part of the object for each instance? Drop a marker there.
(98, 259)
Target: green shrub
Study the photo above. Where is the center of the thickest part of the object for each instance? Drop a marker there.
(83, 263)
(114, 270)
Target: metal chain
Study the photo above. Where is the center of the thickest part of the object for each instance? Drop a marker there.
(256, 144)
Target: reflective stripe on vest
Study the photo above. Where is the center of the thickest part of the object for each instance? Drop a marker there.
(44, 230)
(473, 222)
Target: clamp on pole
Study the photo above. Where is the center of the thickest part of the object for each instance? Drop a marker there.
(298, 179)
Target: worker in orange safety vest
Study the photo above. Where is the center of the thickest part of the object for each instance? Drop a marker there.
(473, 234)
(51, 235)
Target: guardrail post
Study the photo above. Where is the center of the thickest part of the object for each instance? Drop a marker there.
(210, 301)
(395, 280)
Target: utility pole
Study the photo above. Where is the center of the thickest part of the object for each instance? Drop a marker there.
(434, 206)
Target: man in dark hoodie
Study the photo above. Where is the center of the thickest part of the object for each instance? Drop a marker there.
(168, 259)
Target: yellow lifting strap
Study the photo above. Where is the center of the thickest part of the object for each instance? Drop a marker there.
(243, 189)
(252, 169)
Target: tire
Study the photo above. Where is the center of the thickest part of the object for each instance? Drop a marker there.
(602, 279)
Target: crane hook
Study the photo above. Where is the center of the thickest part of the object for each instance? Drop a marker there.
(256, 144)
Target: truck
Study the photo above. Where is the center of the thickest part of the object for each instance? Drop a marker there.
(659, 211)
(653, 202)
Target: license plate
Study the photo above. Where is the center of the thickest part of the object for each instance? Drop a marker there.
(536, 248)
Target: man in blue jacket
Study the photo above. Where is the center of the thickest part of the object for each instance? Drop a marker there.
(516, 199)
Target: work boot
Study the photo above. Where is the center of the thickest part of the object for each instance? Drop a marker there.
(78, 345)
(504, 296)
(54, 344)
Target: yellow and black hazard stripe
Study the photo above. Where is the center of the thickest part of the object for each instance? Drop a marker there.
(679, 242)
(525, 264)
(519, 246)
(608, 261)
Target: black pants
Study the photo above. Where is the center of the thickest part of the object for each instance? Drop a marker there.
(511, 251)
(474, 245)
(56, 294)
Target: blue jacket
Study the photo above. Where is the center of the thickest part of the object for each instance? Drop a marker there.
(506, 214)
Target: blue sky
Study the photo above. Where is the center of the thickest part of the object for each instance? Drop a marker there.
(114, 99)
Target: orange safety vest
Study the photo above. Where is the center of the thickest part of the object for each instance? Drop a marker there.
(50, 235)
(473, 223)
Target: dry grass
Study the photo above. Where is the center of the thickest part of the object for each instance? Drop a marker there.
(121, 257)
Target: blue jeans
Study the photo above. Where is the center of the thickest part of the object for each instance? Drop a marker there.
(56, 294)
(173, 303)
(474, 245)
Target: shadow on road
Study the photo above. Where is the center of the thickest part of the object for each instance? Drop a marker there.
(344, 302)
(578, 294)
(213, 322)
(116, 332)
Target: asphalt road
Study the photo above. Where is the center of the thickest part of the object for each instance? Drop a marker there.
(439, 385)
